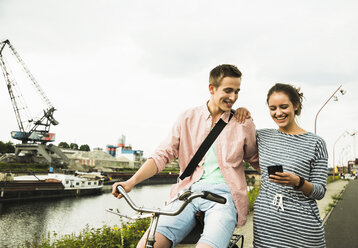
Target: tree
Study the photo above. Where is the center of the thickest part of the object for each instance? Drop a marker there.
(10, 148)
(2, 147)
(85, 148)
(73, 146)
(6, 147)
(63, 145)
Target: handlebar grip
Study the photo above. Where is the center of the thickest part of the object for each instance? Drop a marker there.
(120, 189)
(214, 197)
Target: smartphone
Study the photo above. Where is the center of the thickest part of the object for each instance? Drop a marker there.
(273, 169)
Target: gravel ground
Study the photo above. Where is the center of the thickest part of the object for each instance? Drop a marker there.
(332, 189)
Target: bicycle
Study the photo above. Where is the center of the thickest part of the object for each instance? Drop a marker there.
(187, 196)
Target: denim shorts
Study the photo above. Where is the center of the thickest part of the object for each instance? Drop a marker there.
(220, 219)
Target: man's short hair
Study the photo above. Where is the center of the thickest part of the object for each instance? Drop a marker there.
(221, 71)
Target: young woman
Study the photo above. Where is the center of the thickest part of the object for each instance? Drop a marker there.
(285, 211)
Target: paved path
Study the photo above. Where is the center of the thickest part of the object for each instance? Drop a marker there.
(334, 188)
(342, 224)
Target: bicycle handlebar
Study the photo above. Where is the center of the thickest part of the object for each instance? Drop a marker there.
(187, 197)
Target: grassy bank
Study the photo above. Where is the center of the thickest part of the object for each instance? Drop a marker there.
(330, 179)
(21, 167)
(125, 236)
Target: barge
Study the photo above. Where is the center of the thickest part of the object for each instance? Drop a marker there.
(32, 187)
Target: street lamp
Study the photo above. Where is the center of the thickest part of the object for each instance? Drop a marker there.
(345, 157)
(335, 98)
(354, 144)
(334, 147)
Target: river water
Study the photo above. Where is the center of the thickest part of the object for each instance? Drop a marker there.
(26, 220)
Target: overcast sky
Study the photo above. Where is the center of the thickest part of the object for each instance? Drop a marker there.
(130, 67)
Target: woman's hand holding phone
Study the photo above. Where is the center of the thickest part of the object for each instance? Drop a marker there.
(277, 175)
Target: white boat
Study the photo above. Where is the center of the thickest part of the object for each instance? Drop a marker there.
(51, 185)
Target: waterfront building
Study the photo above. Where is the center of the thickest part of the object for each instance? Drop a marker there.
(124, 152)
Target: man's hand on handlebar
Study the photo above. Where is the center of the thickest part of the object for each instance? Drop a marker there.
(126, 185)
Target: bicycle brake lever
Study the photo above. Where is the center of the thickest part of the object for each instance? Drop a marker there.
(112, 211)
(135, 217)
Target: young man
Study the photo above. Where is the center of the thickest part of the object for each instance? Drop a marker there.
(221, 171)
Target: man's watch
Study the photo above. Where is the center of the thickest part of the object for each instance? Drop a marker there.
(302, 181)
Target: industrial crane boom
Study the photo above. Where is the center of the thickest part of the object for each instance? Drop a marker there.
(39, 132)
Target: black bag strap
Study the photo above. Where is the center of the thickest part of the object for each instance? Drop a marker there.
(204, 147)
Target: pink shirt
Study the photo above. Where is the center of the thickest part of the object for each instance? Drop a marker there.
(237, 142)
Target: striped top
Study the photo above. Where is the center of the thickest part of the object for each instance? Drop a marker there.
(284, 217)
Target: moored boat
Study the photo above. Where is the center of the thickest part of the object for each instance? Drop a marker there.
(52, 185)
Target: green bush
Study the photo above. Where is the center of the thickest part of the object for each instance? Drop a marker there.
(330, 179)
(250, 180)
(21, 167)
(171, 170)
(126, 236)
(133, 231)
(252, 194)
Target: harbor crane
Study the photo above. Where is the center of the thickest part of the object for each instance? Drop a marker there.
(33, 132)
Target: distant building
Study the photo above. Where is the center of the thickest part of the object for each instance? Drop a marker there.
(94, 161)
(129, 153)
(123, 152)
(353, 166)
